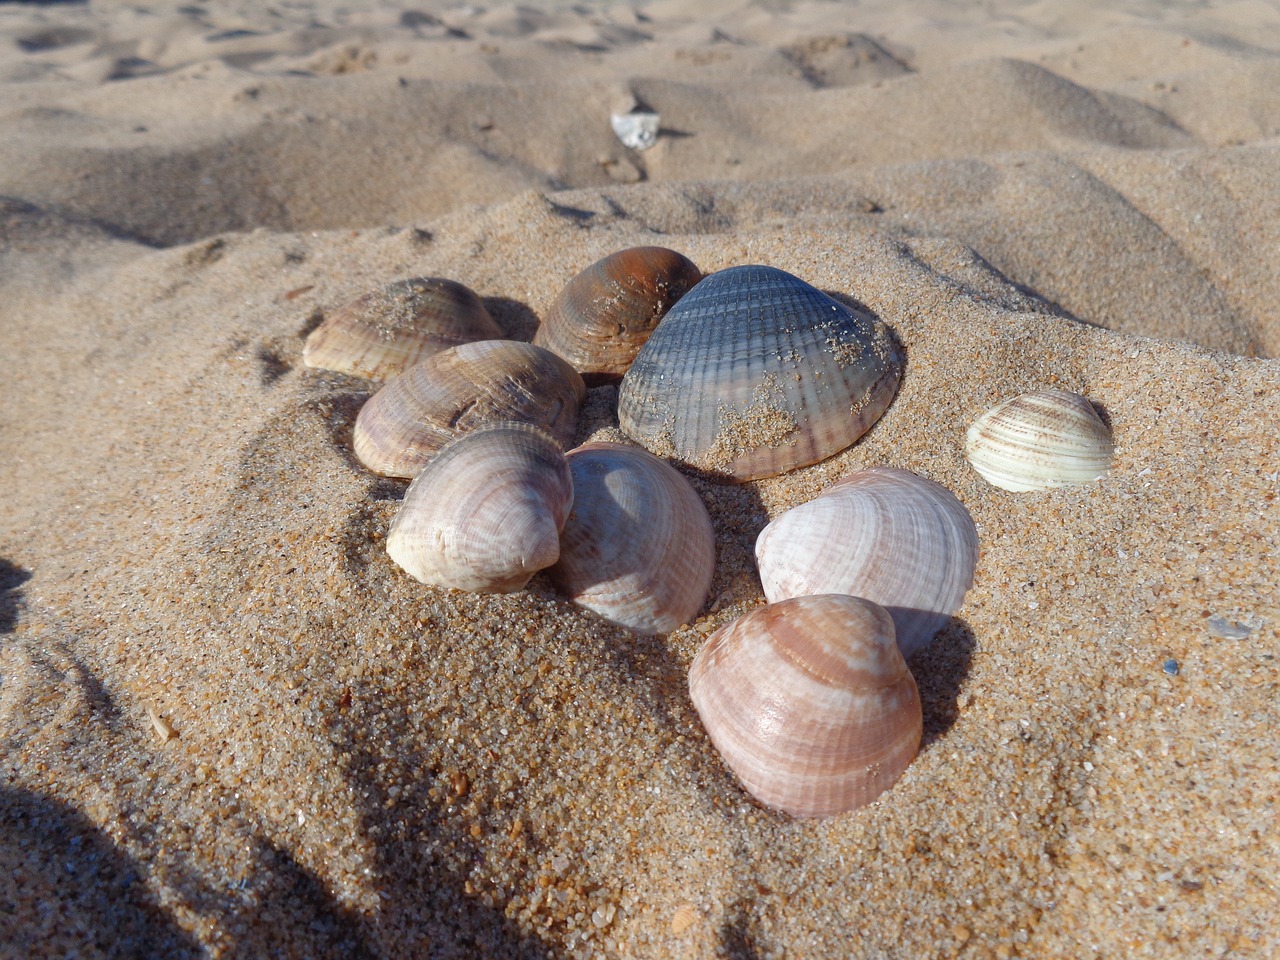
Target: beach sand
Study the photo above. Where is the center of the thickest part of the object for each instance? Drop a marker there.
(232, 727)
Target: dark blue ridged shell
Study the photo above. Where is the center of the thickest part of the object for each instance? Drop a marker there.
(755, 372)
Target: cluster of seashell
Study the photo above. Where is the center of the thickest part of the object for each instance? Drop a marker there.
(618, 531)
(1040, 440)
(751, 373)
(809, 699)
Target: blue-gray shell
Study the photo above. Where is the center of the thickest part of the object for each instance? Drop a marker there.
(755, 372)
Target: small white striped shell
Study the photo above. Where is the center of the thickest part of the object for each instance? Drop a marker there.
(1040, 440)
(887, 535)
(810, 703)
(638, 547)
(384, 332)
(402, 426)
(485, 515)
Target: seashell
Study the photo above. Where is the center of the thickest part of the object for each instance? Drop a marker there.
(606, 313)
(755, 372)
(1041, 440)
(638, 548)
(404, 424)
(383, 333)
(637, 129)
(887, 535)
(810, 703)
(486, 513)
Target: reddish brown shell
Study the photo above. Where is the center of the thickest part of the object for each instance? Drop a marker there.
(605, 314)
(384, 332)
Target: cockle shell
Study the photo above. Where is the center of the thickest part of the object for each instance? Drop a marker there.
(383, 333)
(638, 547)
(810, 703)
(605, 314)
(1041, 440)
(403, 425)
(755, 372)
(887, 535)
(486, 513)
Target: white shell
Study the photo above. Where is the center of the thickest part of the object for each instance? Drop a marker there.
(887, 535)
(637, 130)
(638, 547)
(1041, 440)
(810, 703)
(486, 513)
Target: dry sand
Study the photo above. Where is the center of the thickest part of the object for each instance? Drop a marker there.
(1030, 193)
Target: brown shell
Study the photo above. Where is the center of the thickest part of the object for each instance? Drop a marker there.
(383, 333)
(605, 314)
(405, 424)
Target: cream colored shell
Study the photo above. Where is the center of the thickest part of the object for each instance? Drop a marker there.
(1040, 440)
(638, 547)
(384, 332)
(887, 535)
(810, 703)
(404, 424)
(485, 515)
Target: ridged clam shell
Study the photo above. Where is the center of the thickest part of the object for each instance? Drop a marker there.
(755, 372)
(485, 515)
(887, 535)
(402, 426)
(383, 333)
(809, 703)
(638, 547)
(1041, 440)
(605, 314)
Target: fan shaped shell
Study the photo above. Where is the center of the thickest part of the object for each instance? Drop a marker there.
(383, 333)
(1040, 440)
(405, 424)
(638, 547)
(887, 535)
(755, 372)
(485, 515)
(605, 314)
(810, 703)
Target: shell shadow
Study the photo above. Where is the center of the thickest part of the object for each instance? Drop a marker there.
(940, 670)
(427, 907)
(1103, 413)
(740, 935)
(12, 577)
(652, 665)
(338, 409)
(517, 320)
(79, 895)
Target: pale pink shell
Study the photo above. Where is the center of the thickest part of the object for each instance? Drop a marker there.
(810, 703)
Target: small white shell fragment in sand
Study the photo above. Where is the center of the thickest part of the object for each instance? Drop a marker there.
(1041, 440)
(637, 130)
(164, 730)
